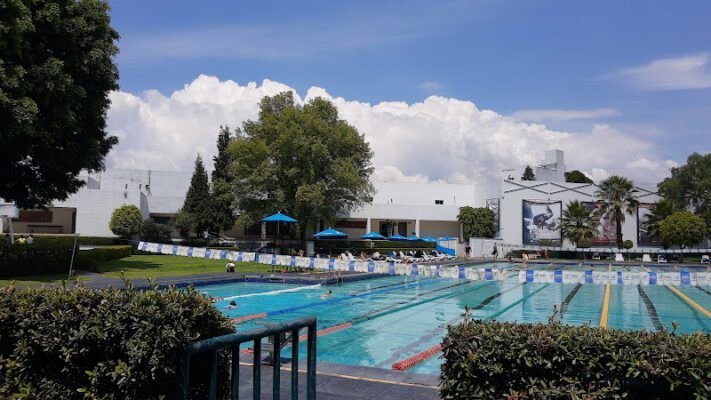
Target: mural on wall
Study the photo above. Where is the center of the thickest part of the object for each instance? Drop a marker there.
(606, 234)
(643, 237)
(541, 221)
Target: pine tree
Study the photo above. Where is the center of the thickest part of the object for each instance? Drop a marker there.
(198, 200)
(528, 174)
(222, 198)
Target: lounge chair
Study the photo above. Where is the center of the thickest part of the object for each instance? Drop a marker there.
(392, 257)
(646, 258)
(661, 259)
(596, 256)
(619, 257)
(705, 259)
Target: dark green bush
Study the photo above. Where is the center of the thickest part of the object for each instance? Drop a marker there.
(494, 360)
(81, 240)
(89, 260)
(58, 343)
(51, 257)
(156, 233)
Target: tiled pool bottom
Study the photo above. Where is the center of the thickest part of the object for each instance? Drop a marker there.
(393, 318)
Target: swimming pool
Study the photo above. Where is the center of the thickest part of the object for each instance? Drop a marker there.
(384, 320)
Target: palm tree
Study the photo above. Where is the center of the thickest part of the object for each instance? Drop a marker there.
(657, 213)
(577, 222)
(618, 197)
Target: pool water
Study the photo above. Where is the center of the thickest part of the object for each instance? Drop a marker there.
(395, 317)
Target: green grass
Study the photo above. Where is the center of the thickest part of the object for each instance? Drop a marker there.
(153, 266)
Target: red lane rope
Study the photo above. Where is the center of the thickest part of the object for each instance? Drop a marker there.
(326, 331)
(417, 358)
(248, 318)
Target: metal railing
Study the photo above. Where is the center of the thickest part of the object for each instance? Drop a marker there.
(233, 342)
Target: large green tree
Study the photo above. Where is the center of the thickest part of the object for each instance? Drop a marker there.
(56, 71)
(222, 197)
(657, 213)
(576, 176)
(683, 229)
(578, 223)
(302, 160)
(690, 184)
(198, 205)
(477, 222)
(617, 195)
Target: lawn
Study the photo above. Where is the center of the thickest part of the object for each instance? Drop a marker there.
(153, 266)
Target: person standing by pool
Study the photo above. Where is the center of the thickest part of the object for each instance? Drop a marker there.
(495, 252)
(525, 260)
(230, 267)
(467, 313)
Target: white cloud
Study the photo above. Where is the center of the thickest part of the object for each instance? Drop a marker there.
(430, 86)
(679, 73)
(562, 115)
(437, 139)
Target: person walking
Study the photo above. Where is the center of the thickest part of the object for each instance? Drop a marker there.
(495, 252)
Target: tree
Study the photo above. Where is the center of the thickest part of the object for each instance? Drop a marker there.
(576, 176)
(690, 184)
(477, 222)
(657, 213)
(528, 174)
(153, 232)
(577, 223)
(183, 222)
(683, 229)
(126, 221)
(56, 71)
(198, 201)
(222, 197)
(617, 195)
(302, 160)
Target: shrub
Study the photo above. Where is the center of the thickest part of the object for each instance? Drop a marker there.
(126, 221)
(628, 244)
(52, 257)
(57, 343)
(493, 360)
(81, 240)
(90, 259)
(157, 233)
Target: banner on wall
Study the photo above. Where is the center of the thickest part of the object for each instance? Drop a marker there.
(541, 221)
(606, 234)
(643, 236)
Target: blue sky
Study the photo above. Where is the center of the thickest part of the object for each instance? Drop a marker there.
(643, 67)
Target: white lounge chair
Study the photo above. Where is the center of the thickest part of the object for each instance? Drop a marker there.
(705, 259)
(646, 258)
(596, 256)
(619, 257)
(661, 259)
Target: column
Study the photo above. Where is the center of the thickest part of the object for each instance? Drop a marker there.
(264, 230)
(417, 227)
(368, 225)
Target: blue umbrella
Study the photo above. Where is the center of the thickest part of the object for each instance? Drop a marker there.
(279, 217)
(414, 238)
(330, 233)
(429, 239)
(445, 238)
(373, 236)
(397, 237)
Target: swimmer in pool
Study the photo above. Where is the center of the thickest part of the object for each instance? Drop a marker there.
(327, 295)
(232, 305)
(467, 313)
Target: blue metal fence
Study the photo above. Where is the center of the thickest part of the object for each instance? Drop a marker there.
(233, 342)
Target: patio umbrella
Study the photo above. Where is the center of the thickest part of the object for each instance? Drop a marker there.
(429, 239)
(330, 233)
(414, 238)
(398, 238)
(279, 219)
(373, 236)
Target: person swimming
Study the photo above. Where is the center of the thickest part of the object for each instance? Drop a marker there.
(467, 313)
(232, 305)
(327, 295)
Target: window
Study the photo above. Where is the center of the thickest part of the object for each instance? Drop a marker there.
(35, 216)
(439, 202)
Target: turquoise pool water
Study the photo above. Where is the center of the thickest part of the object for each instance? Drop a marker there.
(396, 317)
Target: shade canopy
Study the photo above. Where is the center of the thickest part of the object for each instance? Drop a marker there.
(330, 233)
(445, 238)
(429, 239)
(279, 217)
(373, 236)
(397, 237)
(414, 238)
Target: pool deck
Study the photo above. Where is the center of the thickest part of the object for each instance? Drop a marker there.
(335, 381)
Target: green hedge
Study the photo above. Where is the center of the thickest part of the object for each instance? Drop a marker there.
(81, 240)
(102, 344)
(494, 360)
(90, 259)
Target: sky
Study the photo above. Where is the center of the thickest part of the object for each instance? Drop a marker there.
(446, 90)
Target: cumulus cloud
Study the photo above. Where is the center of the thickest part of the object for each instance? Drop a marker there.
(679, 73)
(550, 114)
(439, 139)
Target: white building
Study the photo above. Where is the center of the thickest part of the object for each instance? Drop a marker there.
(423, 209)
